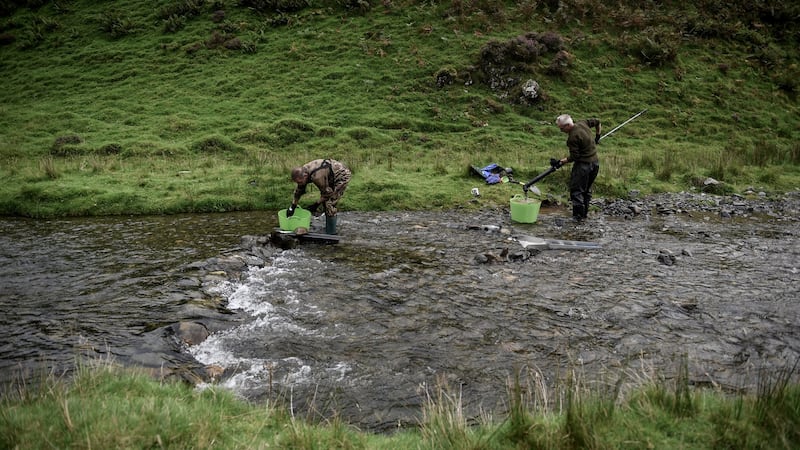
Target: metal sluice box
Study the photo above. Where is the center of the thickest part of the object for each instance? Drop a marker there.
(556, 244)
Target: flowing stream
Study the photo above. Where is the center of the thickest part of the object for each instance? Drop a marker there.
(409, 303)
(101, 286)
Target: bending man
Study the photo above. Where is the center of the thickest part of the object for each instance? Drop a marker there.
(583, 153)
(331, 178)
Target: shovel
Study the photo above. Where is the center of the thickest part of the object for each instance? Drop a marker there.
(533, 189)
(529, 186)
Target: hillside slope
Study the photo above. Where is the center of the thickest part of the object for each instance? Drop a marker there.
(194, 105)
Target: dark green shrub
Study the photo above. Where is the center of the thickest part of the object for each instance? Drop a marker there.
(233, 43)
(445, 76)
(69, 150)
(7, 39)
(61, 141)
(359, 133)
(48, 24)
(248, 47)
(215, 144)
(30, 37)
(787, 79)
(115, 24)
(503, 65)
(185, 8)
(218, 16)
(254, 136)
(560, 64)
(62, 7)
(35, 31)
(770, 176)
(794, 153)
(718, 189)
(655, 46)
(551, 40)
(291, 131)
(493, 53)
(326, 132)
(293, 124)
(359, 6)
(781, 17)
(229, 27)
(174, 23)
(482, 13)
(525, 48)
(216, 39)
(269, 6)
(110, 149)
(494, 106)
(280, 20)
(768, 56)
(8, 7)
(193, 47)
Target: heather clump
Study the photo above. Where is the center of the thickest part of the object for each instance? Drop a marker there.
(510, 68)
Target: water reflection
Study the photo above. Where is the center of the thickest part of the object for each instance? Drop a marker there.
(97, 285)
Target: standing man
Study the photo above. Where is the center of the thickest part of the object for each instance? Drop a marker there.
(583, 154)
(331, 178)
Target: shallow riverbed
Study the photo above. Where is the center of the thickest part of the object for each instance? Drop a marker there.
(407, 301)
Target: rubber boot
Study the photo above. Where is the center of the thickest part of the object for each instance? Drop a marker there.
(578, 213)
(330, 224)
(587, 201)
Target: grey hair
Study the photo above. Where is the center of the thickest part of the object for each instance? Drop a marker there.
(564, 119)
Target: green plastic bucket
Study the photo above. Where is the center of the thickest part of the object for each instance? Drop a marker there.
(523, 209)
(300, 219)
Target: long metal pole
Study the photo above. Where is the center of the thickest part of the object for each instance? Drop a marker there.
(623, 124)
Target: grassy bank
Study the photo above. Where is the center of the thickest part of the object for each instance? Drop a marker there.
(108, 407)
(193, 106)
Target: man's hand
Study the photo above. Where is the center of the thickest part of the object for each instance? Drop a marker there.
(555, 163)
(290, 210)
(597, 138)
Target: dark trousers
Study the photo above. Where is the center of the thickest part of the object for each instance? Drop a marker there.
(580, 187)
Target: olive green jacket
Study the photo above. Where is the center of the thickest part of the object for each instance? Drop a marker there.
(580, 141)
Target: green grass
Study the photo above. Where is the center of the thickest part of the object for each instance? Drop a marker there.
(105, 406)
(121, 108)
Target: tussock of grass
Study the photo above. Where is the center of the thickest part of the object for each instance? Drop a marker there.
(105, 406)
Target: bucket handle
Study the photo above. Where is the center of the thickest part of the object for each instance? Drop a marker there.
(519, 198)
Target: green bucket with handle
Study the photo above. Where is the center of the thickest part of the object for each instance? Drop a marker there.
(524, 209)
(300, 219)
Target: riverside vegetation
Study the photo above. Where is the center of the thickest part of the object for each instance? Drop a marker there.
(203, 106)
(104, 406)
